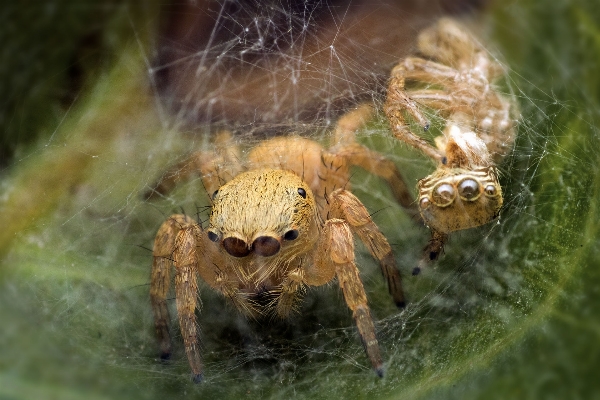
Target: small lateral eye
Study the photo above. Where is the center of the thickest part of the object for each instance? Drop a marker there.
(468, 189)
(213, 237)
(490, 190)
(291, 235)
(302, 192)
(214, 194)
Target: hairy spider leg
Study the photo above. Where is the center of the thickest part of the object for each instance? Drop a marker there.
(346, 206)
(335, 254)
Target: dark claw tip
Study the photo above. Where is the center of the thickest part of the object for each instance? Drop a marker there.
(416, 271)
(379, 372)
(400, 304)
(198, 378)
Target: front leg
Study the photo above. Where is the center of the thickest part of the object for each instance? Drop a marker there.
(398, 101)
(432, 251)
(335, 252)
(348, 207)
(186, 293)
(396, 104)
(164, 245)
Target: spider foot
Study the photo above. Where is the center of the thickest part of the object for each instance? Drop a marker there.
(432, 251)
(198, 378)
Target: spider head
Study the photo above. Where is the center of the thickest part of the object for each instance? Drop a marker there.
(264, 212)
(452, 199)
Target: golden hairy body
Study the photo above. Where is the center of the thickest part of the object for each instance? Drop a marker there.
(464, 191)
(283, 221)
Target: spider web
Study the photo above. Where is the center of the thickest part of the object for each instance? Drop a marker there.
(262, 69)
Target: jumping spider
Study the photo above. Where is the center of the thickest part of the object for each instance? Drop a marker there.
(284, 220)
(464, 191)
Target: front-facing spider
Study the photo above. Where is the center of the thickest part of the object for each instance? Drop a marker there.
(464, 191)
(284, 220)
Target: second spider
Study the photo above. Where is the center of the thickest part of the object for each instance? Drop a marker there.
(479, 131)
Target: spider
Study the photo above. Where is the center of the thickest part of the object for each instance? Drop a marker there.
(464, 191)
(283, 220)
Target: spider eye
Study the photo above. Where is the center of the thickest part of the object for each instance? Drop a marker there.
(213, 237)
(236, 247)
(214, 194)
(468, 189)
(266, 246)
(291, 235)
(302, 192)
(443, 195)
(490, 190)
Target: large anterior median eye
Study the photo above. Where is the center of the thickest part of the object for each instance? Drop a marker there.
(468, 189)
(236, 247)
(266, 246)
(443, 194)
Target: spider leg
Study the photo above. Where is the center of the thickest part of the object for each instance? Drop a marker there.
(213, 167)
(199, 161)
(377, 164)
(434, 98)
(448, 42)
(426, 71)
(349, 123)
(443, 101)
(354, 153)
(398, 102)
(164, 243)
(186, 293)
(292, 287)
(336, 253)
(346, 206)
(176, 243)
(432, 251)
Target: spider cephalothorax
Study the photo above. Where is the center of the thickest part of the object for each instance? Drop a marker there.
(456, 199)
(287, 212)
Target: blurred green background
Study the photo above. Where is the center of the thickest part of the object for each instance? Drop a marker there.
(511, 311)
